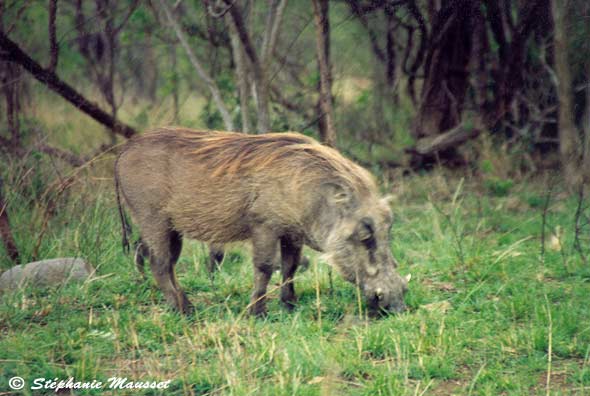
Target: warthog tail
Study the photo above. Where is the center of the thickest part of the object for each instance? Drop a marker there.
(125, 227)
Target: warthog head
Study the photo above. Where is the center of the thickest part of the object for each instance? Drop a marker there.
(360, 246)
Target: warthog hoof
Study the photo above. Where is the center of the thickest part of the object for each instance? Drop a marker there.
(258, 310)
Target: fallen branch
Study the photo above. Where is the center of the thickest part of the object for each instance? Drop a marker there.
(61, 154)
(64, 155)
(452, 138)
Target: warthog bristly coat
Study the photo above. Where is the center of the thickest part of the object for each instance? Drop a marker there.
(276, 189)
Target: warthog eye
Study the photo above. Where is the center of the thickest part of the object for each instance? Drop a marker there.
(366, 233)
(370, 244)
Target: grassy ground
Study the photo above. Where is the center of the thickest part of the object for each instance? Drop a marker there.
(488, 314)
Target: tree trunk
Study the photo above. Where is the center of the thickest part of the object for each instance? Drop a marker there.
(480, 47)
(381, 90)
(5, 230)
(326, 116)
(151, 67)
(263, 124)
(10, 76)
(262, 103)
(241, 76)
(569, 140)
(446, 80)
(586, 124)
(107, 77)
(586, 162)
(390, 66)
(14, 53)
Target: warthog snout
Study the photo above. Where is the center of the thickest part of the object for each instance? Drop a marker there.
(387, 296)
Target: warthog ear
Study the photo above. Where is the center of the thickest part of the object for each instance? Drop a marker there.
(388, 199)
(336, 193)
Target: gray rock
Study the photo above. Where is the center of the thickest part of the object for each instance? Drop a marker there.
(46, 273)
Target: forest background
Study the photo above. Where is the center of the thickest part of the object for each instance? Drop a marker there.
(474, 114)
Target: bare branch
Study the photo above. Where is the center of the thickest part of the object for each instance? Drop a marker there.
(495, 19)
(66, 156)
(19, 13)
(273, 22)
(218, 13)
(53, 46)
(227, 120)
(13, 53)
(240, 27)
(61, 154)
(278, 96)
(390, 45)
(359, 13)
(130, 12)
(415, 12)
(258, 69)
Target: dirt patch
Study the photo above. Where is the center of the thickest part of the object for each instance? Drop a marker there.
(560, 374)
(448, 388)
(441, 286)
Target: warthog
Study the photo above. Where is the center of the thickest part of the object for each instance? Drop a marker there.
(276, 189)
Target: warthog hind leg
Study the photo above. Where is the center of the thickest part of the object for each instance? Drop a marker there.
(141, 253)
(165, 249)
(216, 255)
(290, 256)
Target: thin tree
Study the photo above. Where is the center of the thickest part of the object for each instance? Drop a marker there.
(100, 49)
(5, 230)
(11, 84)
(227, 120)
(326, 116)
(53, 45)
(241, 76)
(569, 140)
(259, 61)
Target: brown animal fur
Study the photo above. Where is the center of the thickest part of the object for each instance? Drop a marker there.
(277, 188)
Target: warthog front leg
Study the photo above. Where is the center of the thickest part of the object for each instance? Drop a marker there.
(264, 245)
(291, 256)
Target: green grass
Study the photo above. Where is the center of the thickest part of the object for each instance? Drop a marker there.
(485, 308)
